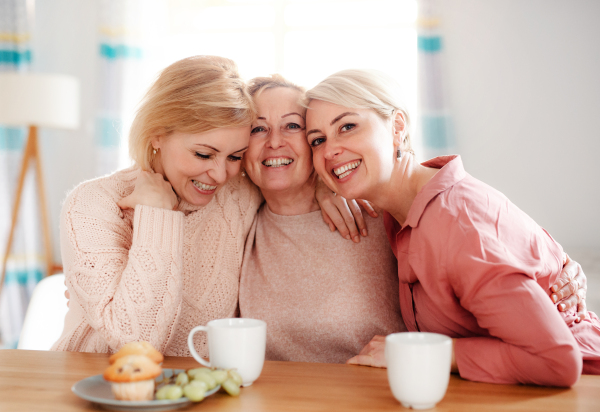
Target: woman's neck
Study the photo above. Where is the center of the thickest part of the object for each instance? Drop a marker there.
(292, 201)
(398, 194)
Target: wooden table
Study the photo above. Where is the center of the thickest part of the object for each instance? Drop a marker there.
(41, 381)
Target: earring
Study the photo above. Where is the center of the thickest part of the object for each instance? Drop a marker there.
(154, 152)
(398, 154)
(243, 173)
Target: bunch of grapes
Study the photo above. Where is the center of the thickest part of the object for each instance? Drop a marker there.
(194, 383)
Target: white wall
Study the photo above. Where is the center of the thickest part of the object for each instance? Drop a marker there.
(524, 88)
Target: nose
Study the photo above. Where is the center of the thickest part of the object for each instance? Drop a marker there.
(275, 140)
(218, 172)
(331, 149)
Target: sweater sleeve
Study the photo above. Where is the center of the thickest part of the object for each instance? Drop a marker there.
(529, 342)
(126, 276)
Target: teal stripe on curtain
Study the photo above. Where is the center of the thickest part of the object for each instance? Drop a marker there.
(429, 44)
(23, 276)
(120, 51)
(435, 132)
(108, 132)
(15, 57)
(12, 138)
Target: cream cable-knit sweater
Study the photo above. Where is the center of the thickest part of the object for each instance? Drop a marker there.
(150, 274)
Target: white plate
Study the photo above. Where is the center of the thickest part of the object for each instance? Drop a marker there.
(96, 389)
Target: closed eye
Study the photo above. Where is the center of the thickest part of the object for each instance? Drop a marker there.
(233, 158)
(202, 156)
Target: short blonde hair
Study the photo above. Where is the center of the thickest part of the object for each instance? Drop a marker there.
(193, 95)
(260, 84)
(364, 89)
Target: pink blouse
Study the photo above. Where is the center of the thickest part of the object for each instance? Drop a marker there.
(473, 266)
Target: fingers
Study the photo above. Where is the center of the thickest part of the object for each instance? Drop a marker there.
(581, 309)
(349, 218)
(68, 296)
(125, 203)
(358, 217)
(333, 212)
(327, 220)
(368, 207)
(568, 303)
(567, 290)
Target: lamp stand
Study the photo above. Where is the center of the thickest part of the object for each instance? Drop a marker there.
(31, 153)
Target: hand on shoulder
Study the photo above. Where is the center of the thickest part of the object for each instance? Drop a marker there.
(151, 189)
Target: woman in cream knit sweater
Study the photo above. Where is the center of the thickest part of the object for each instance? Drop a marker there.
(152, 251)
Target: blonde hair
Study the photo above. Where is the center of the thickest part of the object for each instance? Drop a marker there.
(193, 95)
(364, 89)
(260, 84)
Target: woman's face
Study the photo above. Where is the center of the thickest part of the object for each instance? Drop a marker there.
(197, 165)
(353, 149)
(278, 156)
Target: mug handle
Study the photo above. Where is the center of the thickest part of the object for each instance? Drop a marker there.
(191, 345)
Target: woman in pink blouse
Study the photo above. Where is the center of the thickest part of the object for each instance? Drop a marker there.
(471, 264)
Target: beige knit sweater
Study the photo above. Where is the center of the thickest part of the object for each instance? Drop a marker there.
(323, 297)
(150, 274)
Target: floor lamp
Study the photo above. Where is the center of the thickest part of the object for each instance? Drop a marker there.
(36, 100)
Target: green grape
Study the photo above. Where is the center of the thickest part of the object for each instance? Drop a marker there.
(174, 392)
(220, 376)
(231, 387)
(207, 378)
(237, 378)
(193, 372)
(199, 384)
(182, 379)
(194, 393)
(161, 394)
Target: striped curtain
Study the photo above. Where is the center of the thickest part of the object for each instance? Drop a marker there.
(25, 266)
(121, 78)
(434, 119)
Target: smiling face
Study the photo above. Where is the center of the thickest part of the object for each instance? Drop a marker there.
(278, 156)
(198, 165)
(353, 149)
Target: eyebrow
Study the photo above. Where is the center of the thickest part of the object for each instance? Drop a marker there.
(241, 150)
(291, 114)
(342, 115)
(285, 115)
(217, 150)
(332, 122)
(210, 147)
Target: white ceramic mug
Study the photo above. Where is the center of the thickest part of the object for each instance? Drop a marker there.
(236, 343)
(418, 365)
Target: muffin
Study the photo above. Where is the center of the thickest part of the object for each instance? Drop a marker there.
(132, 377)
(138, 348)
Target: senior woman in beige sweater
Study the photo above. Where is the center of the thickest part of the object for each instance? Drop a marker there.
(323, 297)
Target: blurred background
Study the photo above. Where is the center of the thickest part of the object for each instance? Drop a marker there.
(511, 85)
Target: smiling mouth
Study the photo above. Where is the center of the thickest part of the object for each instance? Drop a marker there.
(277, 162)
(202, 186)
(342, 172)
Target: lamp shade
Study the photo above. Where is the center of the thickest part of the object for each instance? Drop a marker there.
(44, 100)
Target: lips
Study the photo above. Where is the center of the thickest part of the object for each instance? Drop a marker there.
(277, 161)
(343, 171)
(204, 187)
